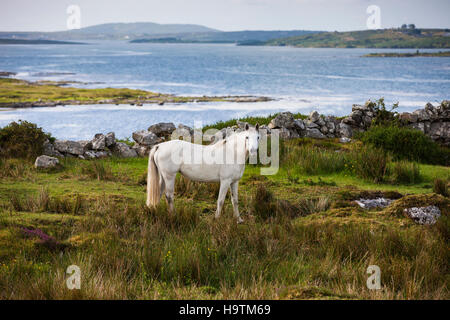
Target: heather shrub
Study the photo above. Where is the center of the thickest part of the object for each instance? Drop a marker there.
(22, 140)
(406, 143)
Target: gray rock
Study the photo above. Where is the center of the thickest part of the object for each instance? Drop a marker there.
(345, 140)
(92, 154)
(70, 147)
(146, 138)
(110, 139)
(314, 116)
(311, 125)
(298, 124)
(345, 130)
(373, 203)
(99, 142)
(424, 215)
(283, 120)
(45, 162)
(162, 129)
(123, 150)
(183, 127)
(314, 133)
(86, 144)
(49, 150)
(142, 150)
(408, 117)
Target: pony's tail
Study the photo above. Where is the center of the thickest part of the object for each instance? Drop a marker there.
(153, 181)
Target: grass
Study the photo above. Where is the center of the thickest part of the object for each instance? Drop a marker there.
(303, 237)
(15, 91)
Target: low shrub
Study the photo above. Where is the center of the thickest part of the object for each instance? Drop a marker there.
(406, 143)
(22, 140)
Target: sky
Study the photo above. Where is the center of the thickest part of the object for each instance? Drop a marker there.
(226, 15)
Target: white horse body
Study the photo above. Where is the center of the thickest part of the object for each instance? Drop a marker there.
(196, 162)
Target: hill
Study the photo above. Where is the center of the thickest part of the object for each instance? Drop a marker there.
(384, 38)
(225, 37)
(113, 31)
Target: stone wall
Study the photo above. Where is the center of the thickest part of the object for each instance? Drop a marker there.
(433, 121)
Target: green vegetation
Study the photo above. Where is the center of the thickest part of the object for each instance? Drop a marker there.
(15, 92)
(385, 38)
(406, 143)
(303, 236)
(22, 140)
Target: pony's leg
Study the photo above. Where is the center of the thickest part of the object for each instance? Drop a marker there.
(169, 183)
(224, 185)
(234, 201)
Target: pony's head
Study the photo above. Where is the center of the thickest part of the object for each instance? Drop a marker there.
(251, 139)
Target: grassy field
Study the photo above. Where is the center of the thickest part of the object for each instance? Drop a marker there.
(383, 38)
(303, 236)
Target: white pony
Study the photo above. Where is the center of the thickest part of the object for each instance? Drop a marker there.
(168, 158)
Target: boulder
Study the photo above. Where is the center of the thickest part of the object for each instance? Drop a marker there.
(99, 142)
(283, 120)
(45, 162)
(141, 150)
(314, 116)
(162, 129)
(110, 139)
(314, 133)
(298, 124)
(345, 130)
(146, 138)
(424, 215)
(92, 154)
(123, 150)
(86, 144)
(70, 147)
(373, 203)
(49, 150)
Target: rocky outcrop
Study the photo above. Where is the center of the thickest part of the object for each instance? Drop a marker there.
(424, 215)
(45, 162)
(433, 121)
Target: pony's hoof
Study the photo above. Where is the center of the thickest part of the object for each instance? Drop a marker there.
(240, 220)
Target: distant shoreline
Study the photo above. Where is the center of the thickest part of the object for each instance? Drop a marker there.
(408, 54)
(31, 42)
(15, 93)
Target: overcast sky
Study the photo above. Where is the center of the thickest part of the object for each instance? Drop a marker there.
(227, 15)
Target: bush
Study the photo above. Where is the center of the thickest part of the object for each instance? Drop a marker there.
(369, 163)
(404, 172)
(405, 143)
(22, 140)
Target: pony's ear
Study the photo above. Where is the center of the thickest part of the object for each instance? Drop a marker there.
(246, 126)
(257, 126)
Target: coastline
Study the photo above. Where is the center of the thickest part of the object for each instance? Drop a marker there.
(16, 93)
